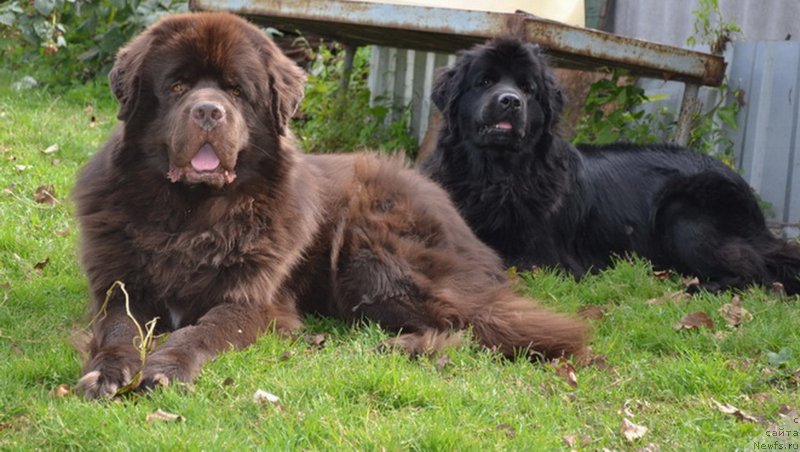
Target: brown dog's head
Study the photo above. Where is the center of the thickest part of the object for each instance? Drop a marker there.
(199, 92)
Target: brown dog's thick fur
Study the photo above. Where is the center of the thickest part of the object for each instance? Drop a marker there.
(219, 227)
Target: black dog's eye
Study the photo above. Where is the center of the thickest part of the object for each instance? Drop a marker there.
(484, 82)
(178, 88)
(528, 87)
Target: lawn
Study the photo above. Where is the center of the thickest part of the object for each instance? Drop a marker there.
(717, 386)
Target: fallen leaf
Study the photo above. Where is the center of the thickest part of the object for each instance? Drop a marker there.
(62, 232)
(512, 273)
(676, 297)
(507, 429)
(586, 358)
(761, 397)
(631, 406)
(785, 411)
(690, 281)
(631, 431)
(227, 381)
(287, 355)
(45, 194)
(264, 396)
(316, 340)
(442, 362)
(695, 320)
(564, 369)
(733, 312)
(61, 390)
(22, 168)
(662, 274)
(575, 440)
(592, 311)
(778, 289)
(52, 149)
(650, 447)
(162, 416)
(39, 266)
(735, 412)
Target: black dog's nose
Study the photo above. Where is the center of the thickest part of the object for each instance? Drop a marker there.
(510, 101)
(207, 114)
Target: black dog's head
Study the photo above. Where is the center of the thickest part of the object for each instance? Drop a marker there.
(200, 93)
(500, 95)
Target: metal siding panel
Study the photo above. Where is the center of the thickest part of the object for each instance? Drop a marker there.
(777, 127)
(740, 77)
(792, 204)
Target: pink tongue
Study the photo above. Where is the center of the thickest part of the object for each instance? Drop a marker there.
(205, 159)
(503, 125)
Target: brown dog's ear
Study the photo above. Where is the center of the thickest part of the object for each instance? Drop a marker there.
(124, 76)
(286, 81)
(286, 89)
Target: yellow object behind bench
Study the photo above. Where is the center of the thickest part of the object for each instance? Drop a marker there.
(567, 11)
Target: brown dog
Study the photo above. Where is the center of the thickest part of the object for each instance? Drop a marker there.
(219, 227)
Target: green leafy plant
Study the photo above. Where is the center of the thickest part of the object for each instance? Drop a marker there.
(710, 27)
(710, 128)
(613, 107)
(331, 120)
(612, 113)
(74, 40)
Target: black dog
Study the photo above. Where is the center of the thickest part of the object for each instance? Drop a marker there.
(540, 201)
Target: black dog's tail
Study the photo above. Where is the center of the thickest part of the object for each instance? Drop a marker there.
(710, 224)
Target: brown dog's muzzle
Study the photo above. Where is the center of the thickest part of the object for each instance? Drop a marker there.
(208, 132)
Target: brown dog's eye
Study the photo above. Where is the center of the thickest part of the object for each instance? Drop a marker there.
(177, 88)
(236, 91)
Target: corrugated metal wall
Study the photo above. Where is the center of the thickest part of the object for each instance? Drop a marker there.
(671, 22)
(405, 77)
(767, 145)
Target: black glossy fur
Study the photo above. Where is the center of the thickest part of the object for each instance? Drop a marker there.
(539, 201)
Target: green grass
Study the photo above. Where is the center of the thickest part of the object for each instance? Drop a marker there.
(345, 396)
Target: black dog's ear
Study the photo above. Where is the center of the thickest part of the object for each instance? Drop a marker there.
(447, 87)
(441, 87)
(555, 100)
(124, 76)
(550, 94)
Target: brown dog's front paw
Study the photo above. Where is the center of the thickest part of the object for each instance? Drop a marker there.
(164, 368)
(103, 383)
(152, 381)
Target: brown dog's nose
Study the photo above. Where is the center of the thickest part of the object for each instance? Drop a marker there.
(207, 114)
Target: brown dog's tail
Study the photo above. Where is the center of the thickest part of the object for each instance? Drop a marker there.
(515, 325)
